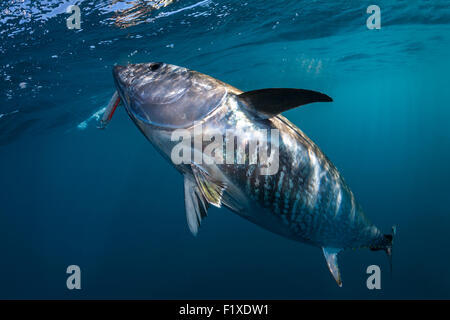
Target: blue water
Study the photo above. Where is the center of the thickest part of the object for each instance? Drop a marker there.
(107, 201)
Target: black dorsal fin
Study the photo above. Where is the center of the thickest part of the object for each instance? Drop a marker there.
(267, 103)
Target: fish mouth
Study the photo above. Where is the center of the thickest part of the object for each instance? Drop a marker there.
(115, 99)
(122, 82)
(117, 70)
(118, 77)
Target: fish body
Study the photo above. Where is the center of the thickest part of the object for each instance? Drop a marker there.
(297, 193)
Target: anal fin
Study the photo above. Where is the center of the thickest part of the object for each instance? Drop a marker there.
(332, 262)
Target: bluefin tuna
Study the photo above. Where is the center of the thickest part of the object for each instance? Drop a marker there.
(306, 199)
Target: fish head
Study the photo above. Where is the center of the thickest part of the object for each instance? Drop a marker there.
(164, 96)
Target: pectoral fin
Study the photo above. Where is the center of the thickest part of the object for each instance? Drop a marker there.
(267, 103)
(332, 262)
(200, 190)
(195, 204)
(211, 189)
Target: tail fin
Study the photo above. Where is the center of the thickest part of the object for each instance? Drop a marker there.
(388, 248)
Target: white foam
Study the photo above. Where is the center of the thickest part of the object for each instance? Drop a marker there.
(8, 113)
(169, 13)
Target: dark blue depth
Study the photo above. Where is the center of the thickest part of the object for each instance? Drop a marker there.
(107, 201)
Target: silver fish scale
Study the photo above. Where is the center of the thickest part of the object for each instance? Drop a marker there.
(307, 195)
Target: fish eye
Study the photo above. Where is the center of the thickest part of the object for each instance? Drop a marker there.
(155, 66)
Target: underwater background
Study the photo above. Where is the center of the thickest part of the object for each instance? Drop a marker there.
(107, 201)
